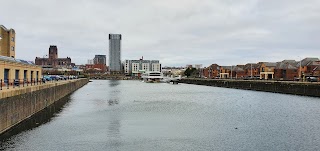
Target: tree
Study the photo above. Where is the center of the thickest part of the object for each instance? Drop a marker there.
(189, 71)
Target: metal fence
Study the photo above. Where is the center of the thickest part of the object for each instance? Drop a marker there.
(17, 83)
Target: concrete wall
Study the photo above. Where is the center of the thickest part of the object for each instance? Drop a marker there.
(19, 104)
(296, 88)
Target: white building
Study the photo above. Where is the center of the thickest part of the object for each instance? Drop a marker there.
(136, 67)
(90, 61)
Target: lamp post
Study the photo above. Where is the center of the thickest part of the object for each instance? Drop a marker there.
(251, 71)
(231, 72)
(300, 77)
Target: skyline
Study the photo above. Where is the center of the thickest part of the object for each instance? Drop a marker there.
(176, 33)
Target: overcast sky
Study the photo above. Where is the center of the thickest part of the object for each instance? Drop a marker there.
(176, 32)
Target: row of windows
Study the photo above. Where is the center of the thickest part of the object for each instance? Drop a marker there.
(17, 74)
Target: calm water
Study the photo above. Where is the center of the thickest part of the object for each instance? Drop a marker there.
(131, 115)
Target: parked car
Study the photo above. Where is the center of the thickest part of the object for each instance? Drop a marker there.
(312, 79)
(47, 78)
(55, 77)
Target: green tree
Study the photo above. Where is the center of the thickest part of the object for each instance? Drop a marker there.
(189, 71)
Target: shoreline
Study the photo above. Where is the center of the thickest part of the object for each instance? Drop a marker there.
(284, 87)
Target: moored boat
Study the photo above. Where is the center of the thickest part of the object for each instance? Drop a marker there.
(152, 77)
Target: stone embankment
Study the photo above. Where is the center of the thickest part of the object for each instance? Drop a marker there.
(19, 104)
(286, 87)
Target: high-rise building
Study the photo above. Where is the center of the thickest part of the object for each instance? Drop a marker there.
(7, 42)
(115, 53)
(100, 59)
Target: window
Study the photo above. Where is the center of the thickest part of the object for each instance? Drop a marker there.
(12, 39)
(12, 48)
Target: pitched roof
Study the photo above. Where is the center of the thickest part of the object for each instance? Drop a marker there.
(226, 67)
(6, 29)
(248, 66)
(307, 61)
(270, 64)
(10, 59)
(289, 61)
(286, 64)
(237, 69)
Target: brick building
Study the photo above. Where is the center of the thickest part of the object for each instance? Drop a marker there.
(252, 70)
(212, 71)
(97, 65)
(7, 42)
(286, 70)
(267, 70)
(53, 60)
(239, 72)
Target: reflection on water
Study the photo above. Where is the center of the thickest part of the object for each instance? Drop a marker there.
(114, 83)
(113, 102)
(131, 115)
(40, 118)
(114, 92)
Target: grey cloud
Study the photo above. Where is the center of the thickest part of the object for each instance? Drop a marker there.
(176, 32)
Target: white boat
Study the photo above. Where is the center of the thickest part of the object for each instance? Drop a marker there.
(152, 77)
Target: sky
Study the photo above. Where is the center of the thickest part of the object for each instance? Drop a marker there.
(176, 32)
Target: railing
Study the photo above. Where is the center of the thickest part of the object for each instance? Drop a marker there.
(17, 83)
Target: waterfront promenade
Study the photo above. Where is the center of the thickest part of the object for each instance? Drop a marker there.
(9, 91)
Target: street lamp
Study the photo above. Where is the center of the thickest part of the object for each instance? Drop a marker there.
(231, 72)
(300, 77)
(251, 71)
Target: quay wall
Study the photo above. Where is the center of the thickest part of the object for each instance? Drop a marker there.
(19, 104)
(296, 88)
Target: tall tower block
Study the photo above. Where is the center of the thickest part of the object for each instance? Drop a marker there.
(115, 53)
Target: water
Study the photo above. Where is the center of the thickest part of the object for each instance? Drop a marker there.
(131, 115)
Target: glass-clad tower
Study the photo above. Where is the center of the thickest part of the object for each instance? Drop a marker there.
(115, 53)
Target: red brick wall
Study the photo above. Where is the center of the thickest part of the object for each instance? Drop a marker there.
(241, 74)
(290, 74)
